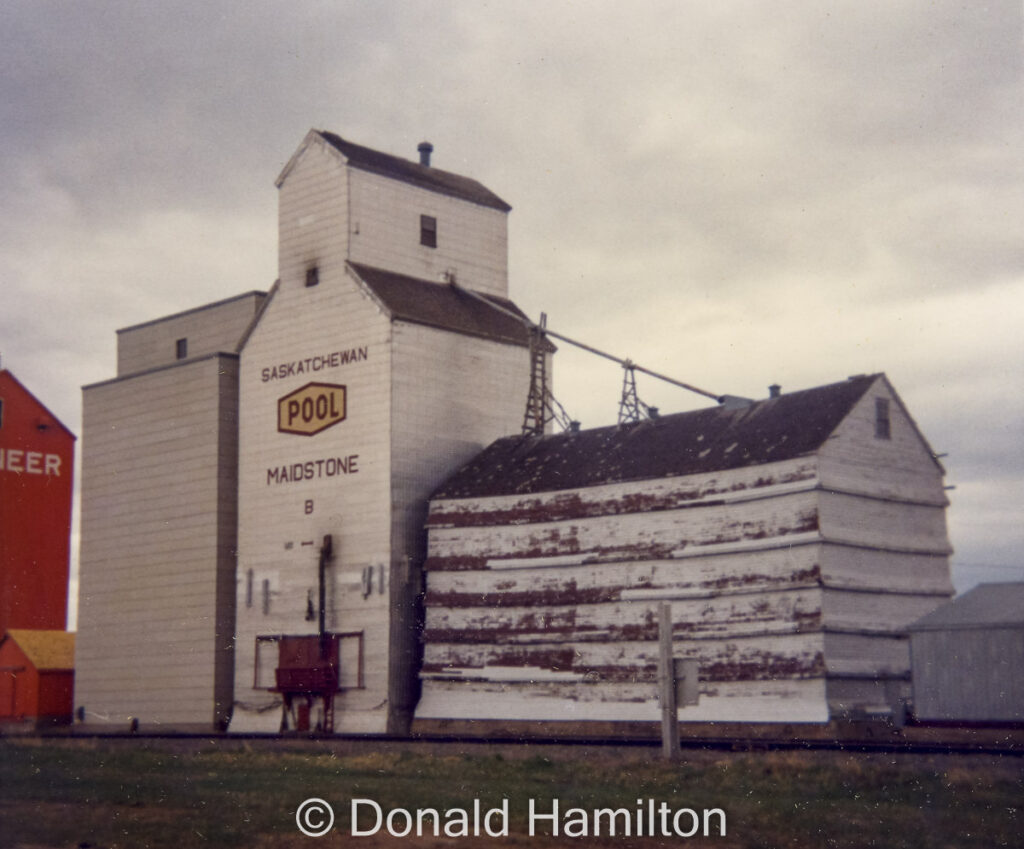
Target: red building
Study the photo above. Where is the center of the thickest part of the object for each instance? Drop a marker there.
(36, 675)
(36, 470)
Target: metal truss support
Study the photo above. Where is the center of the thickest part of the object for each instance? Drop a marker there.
(631, 408)
(541, 405)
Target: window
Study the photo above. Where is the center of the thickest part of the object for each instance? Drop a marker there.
(266, 596)
(249, 578)
(883, 427)
(181, 348)
(312, 277)
(428, 231)
(1, 412)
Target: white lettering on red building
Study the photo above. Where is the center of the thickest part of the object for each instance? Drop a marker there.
(20, 462)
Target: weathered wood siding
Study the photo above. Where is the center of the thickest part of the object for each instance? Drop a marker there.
(900, 468)
(528, 618)
(157, 554)
(207, 330)
(792, 582)
(886, 561)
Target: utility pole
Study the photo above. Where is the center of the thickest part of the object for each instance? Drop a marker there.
(667, 685)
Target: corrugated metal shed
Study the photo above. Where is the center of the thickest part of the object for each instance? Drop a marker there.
(998, 605)
(967, 657)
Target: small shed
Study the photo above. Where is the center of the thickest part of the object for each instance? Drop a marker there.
(967, 657)
(36, 675)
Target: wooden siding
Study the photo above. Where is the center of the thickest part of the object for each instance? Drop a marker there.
(313, 222)
(655, 535)
(738, 701)
(792, 582)
(451, 396)
(899, 469)
(37, 468)
(208, 330)
(157, 467)
(282, 523)
(855, 567)
(560, 617)
(472, 240)
(420, 401)
(734, 485)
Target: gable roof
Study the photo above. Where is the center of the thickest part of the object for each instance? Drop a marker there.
(255, 294)
(444, 306)
(7, 377)
(46, 650)
(711, 439)
(996, 605)
(424, 176)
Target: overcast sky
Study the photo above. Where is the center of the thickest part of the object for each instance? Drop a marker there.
(734, 194)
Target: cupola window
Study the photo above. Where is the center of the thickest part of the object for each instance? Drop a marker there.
(428, 231)
(883, 426)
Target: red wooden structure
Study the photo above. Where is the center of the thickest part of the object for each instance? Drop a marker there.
(36, 470)
(36, 675)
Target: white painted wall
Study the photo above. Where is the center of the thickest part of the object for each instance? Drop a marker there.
(157, 540)
(420, 402)
(282, 524)
(472, 240)
(207, 330)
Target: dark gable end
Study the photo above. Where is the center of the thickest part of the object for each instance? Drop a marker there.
(444, 306)
(423, 176)
(708, 440)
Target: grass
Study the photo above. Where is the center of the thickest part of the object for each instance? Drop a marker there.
(163, 793)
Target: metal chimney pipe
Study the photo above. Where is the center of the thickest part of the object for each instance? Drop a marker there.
(425, 149)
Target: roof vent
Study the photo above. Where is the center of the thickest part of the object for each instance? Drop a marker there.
(734, 402)
(425, 149)
(774, 391)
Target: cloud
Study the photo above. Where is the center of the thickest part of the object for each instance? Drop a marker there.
(733, 194)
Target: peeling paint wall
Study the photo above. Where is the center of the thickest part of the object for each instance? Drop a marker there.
(793, 595)
(546, 606)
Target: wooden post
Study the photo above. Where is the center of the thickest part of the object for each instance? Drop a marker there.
(667, 684)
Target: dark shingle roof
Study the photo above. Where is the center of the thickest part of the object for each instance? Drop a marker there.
(998, 605)
(712, 439)
(444, 306)
(424, 176)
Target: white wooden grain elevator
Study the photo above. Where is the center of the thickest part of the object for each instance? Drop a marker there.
(330, 507)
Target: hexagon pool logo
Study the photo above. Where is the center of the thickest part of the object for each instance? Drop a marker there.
(311, 409)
